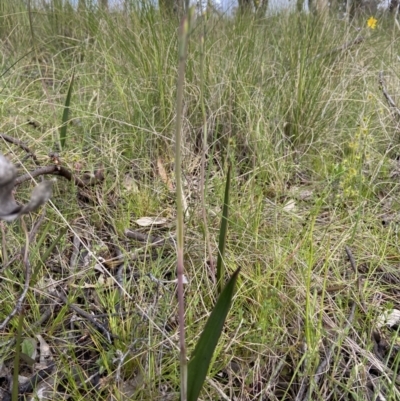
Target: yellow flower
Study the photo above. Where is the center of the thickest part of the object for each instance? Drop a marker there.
(371, 23)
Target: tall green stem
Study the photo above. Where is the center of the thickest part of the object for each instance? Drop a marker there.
(183, 40)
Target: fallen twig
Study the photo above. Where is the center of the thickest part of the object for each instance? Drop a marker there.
(63, 172)
(88, 316)
(45, 315)
(147, 238)
(20, 144)
(388, 98)
(10, 210)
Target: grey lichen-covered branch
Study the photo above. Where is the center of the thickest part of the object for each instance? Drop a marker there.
(9, 208)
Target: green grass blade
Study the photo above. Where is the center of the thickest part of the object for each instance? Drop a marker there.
(65, 116)
(182, 52)
(204, 350)
(222, 233)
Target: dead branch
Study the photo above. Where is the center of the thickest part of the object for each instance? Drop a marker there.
(87, 316)
(147, 238)
(63, 172)
(20, 144)
(10, 210)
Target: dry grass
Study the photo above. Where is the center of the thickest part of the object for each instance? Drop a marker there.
(314, 147)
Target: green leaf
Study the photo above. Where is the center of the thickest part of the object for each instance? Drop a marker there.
(222, 233)
(204, 350)
(65, 116)
(28, 346)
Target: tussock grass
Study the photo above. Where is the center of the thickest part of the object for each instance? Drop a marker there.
(314, 149)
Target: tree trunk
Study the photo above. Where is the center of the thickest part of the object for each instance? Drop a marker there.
(394, 6)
